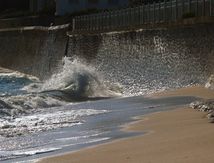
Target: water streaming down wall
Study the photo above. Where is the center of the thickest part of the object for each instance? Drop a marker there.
(150, 60)
(142, 61)
(33, 51)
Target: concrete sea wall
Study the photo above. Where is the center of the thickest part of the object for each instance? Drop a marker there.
(150, 59)
(183, 55)
(34, 51)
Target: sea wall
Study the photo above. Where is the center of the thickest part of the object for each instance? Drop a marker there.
(150, 59)
(35, 51)
(29, 21)
(26, 21)
(144, 59)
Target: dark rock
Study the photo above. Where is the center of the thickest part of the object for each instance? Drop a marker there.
(205, 106)
(210, 116)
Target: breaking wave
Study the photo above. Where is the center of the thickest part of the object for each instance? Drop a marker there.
(79, 80)
(28, 105)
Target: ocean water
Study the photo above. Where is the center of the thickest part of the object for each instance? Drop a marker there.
(77, 107)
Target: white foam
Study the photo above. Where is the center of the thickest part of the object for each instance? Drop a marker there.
(80, 137)
(34, 151)
(17, 74)
(89, 141)
(46, 121)
(210, 82)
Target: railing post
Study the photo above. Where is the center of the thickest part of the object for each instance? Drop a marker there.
(87, 23)
(95, 22)
(140, 15)
(154, 13)
(123, 17)
(183, 8)
(117, 20)
(131, 17)
(98, 23)
(171, 10)
(126, 18)
(118, 17)
(203, 7)
(105, 21)
(110, 20)
(80, 23)
(92, 22)
(197, 14)
(73, 24)
(149, 13)
(84, 23)
(101, 17)
(165, 11)
(145, 12)
(139, 18)
(143, 16)
(159, 10)
(189, 6)
(176, 9)
(113, 18)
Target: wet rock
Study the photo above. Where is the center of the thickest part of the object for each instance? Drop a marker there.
(204, 106)
(210, 116)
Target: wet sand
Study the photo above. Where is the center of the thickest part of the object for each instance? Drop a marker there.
(178, 136)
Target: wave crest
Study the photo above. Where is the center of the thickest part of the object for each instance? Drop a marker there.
(78, 80)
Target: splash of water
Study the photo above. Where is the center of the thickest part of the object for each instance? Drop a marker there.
(145, 61)
(24, 112)
(78, 79)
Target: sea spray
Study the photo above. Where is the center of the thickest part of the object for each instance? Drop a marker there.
(80, 80)
(42, 105)
(148, 61)
(210, 82)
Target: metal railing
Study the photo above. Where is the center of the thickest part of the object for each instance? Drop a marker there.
(161, 12)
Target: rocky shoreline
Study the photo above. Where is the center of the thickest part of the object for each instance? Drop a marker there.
(206, 105)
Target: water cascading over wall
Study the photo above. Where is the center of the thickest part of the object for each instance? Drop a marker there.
(150, 60)
(142, 61)
(33, 51)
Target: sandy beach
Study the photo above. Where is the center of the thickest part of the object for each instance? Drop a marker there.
(182, 135)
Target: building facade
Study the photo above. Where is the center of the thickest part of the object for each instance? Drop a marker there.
(20, 5)
(64, 7)
(41, 5)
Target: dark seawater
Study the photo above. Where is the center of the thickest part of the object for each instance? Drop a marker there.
(77, 107)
